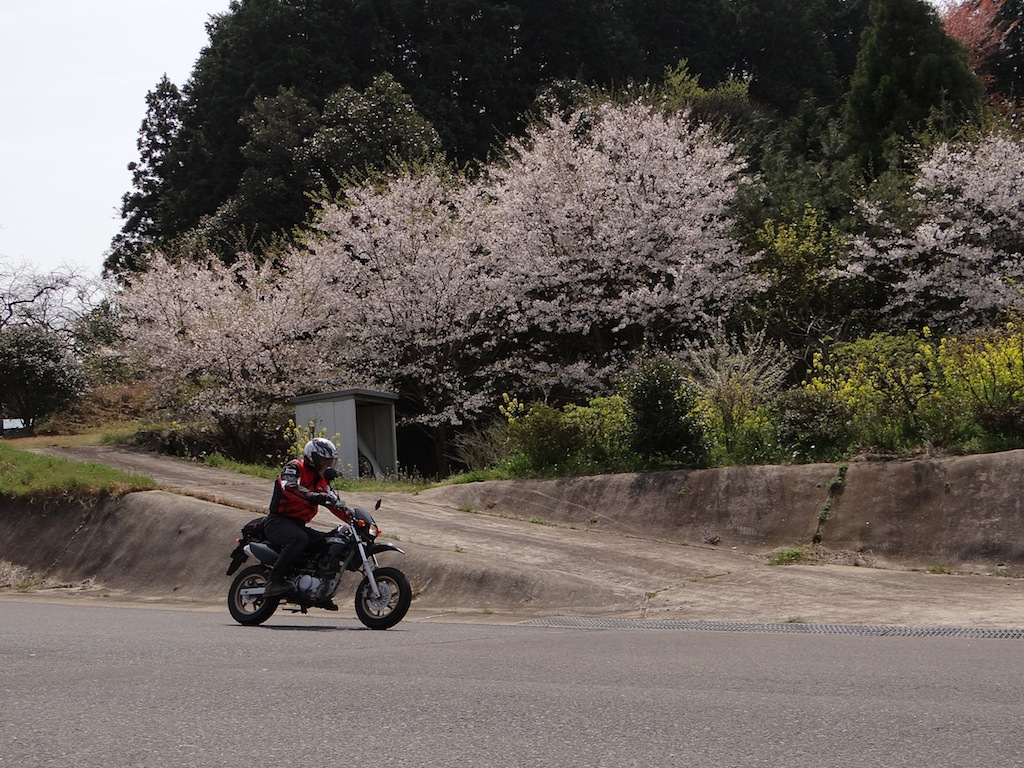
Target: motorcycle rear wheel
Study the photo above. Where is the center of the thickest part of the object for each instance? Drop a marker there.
(247, 609)
(392, 605)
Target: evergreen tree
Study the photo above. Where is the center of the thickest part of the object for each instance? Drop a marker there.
(1007, 65)
(909, 76)
(255, 49)
(296, 154)
(700, 31)
(141, 209)
(783, 46)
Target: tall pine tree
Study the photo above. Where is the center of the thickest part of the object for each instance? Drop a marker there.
(910, 75)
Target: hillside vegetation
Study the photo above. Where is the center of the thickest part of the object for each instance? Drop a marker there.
(572, 238)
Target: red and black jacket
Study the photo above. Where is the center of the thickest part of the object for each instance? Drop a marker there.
(296, 491)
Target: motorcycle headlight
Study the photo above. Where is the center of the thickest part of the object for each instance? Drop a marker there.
(373, 531)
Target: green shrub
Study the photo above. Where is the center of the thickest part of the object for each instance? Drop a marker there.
(983, 373)
(737, 376)
(886, 382)
(662, 407)
(576, 439)
(250, 440)
(40, 377)
(812, 425)
(750, 439)
(482, 447)
(603, 426)
(543, 439)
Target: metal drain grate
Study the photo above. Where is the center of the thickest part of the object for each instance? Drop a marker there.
(576, 622)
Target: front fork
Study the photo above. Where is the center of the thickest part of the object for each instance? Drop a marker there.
(369, 564)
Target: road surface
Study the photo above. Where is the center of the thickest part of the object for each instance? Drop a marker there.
(88, 686)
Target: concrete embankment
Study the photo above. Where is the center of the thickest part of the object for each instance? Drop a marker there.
(160, 545)
(961, 512)
(687, 543)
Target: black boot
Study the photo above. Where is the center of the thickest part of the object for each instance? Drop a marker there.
(277, 588)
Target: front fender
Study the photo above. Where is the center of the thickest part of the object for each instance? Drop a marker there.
(385, 546)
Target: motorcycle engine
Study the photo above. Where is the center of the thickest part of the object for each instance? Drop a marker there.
(307, 584)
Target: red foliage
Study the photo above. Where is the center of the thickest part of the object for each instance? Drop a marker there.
(975, 25)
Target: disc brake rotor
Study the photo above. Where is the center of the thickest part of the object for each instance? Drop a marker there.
(379, 604)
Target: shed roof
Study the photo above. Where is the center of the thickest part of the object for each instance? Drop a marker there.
(356, 393)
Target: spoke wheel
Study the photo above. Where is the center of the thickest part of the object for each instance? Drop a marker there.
(244, 606)
(390, 608)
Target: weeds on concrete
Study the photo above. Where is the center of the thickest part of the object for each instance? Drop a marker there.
(835, 486)
(786, 556)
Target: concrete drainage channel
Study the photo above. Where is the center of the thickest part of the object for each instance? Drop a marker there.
(572, 622)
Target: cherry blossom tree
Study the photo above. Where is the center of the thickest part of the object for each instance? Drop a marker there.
(231, 343)
(961, 261)
(604, 231)
(613, 225)
(420, 296)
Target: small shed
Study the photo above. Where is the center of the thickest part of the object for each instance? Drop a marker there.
(362, 424)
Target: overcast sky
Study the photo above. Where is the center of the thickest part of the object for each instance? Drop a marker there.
(73, 81)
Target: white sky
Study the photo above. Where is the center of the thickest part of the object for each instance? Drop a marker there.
(73, 81)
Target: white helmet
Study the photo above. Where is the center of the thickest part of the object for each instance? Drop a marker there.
(319, 448)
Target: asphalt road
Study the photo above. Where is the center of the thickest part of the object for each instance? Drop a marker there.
(89, 686)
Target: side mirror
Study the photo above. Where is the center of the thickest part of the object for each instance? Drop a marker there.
(331, 474)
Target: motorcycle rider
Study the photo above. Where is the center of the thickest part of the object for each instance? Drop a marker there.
(299, 490)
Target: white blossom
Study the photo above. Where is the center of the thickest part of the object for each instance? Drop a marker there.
(963, 261)
(614, 223)
(234, 339)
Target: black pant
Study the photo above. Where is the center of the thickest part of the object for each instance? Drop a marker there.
(291, 537)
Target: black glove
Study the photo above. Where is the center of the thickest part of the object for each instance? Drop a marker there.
(322, 499)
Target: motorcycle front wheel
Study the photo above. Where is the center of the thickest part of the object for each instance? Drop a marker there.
(390, 608)
(246, 608)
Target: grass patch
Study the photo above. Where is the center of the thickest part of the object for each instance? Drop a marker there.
(787, 556)
(24, 474)
(363, 484)
(113, 435)
(253, 470)
(31, 581)
(390, 484)
(479, 476)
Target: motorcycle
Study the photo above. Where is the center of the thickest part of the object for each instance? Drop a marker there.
(382, 598)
